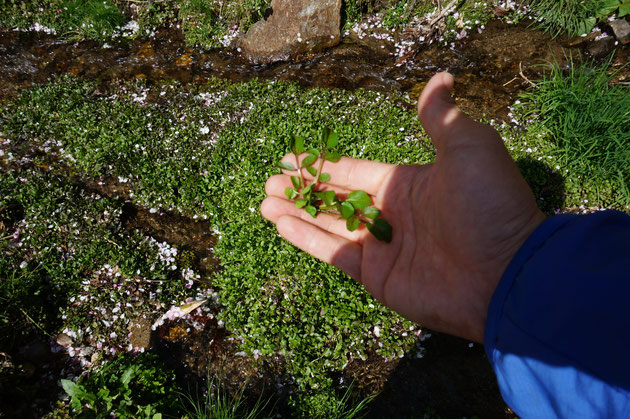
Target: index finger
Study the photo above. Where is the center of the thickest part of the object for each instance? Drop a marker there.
(352, 174)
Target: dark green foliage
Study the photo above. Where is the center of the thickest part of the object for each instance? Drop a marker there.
(277, 298)
(206, 22)
(587, 119)
(130, 387)
(400, 13)
(89, 19)
(75, 19)
(575, 17)
(217, 403)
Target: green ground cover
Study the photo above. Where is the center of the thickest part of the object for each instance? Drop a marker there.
(206, 152)
(575, 17)
(581, 118)
(60, 243)
(214, 24)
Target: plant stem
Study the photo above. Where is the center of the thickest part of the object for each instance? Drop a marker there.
(322, 157)
(299, 169)
(35, 323)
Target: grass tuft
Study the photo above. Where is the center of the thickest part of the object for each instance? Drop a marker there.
(587, 119)
(575, 17)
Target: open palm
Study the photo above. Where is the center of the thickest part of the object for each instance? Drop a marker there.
(456, 223)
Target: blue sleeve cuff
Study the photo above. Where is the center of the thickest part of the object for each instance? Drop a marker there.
(558, 327)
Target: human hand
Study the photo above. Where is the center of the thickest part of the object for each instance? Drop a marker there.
(456, 223)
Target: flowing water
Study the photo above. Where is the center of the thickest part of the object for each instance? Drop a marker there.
(487, 66)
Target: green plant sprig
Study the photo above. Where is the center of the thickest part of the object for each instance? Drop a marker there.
(356, 208)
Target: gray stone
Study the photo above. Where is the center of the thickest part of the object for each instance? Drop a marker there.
(140, 333)
(63, 340)
(600, 48)
(621, 29)
(295, 28)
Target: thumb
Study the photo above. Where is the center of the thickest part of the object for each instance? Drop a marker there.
(437, 111)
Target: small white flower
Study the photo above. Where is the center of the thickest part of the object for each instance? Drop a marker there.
(204, 130)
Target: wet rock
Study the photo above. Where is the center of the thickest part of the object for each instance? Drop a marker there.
(499, 11)
(184, 61)
(140, 333)
(63, 340)
(295, 28)
(600, 48)
(621, 29)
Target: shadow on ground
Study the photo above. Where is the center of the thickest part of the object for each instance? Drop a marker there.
(453, 380)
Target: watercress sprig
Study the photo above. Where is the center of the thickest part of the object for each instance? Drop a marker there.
(356, 208)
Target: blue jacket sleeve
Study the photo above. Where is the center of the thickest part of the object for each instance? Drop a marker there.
(558, 328)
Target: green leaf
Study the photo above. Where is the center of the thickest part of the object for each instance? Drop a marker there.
(296, 182)
(333, 140)
(286, 166)
(381, 229)
(359, 199)
(608, 7)
(73, 389)
(290, 193)
(307, 190)
(311, 210)
(300, 203)
(308, 160)
(324, 177)
(624, 9)
(333, 157)
(346, 210)
(323, 136)
(313, 151)
(352, 223)
(370, 212)
(586, 26)
(327, 196)
(312, 171)
(297, 144)
(127, 375)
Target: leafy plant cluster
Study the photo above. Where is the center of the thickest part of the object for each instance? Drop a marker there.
(576, 17)
(400, 13)
(585, 117)
(129, 387)
(208, 154)
(74, 19)
(217, 403)
(205, 22)
(356, 209)
(142, 386)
